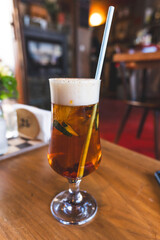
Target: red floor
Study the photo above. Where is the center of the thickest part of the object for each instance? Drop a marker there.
(111, 112)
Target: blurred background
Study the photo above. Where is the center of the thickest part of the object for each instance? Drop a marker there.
(61, 38)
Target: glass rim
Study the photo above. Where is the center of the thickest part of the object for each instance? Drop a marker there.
(73, 79)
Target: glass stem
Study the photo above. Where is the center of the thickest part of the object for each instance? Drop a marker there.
(75, 195)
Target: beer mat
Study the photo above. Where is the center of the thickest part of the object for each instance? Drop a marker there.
(17, 146)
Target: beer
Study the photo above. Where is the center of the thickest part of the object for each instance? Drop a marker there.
(72, 105)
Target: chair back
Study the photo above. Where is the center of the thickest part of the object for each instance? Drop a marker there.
(141, 85)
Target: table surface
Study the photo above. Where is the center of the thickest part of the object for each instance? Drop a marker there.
(124, 186)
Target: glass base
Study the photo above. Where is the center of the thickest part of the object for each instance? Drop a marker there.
(75, 209)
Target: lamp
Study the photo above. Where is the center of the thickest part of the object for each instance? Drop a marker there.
(95, 19)
(97, 13)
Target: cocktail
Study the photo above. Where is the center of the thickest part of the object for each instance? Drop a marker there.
(74, 149)
(73, 102)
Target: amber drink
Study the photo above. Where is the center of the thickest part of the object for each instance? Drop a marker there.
(69, 130)
(72, 103)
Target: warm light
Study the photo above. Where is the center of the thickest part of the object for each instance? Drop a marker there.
(95, 19)
(97, 12)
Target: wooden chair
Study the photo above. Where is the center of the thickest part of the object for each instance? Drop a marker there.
(135, 89)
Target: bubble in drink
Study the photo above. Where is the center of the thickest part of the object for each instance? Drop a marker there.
(72, 105)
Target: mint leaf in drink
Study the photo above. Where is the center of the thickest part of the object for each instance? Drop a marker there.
(69, 128)
(60, 128)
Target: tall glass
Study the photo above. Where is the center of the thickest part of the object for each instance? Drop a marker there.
(72, 103)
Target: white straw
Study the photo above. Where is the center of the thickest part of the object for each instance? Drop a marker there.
(104, 42)
(97, 77)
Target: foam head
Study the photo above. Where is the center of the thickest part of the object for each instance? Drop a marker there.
(74, 92)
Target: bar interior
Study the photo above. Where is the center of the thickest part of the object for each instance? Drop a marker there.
(118, 121)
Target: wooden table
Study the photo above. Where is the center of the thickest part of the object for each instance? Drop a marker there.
(139, 59)
(124, 186)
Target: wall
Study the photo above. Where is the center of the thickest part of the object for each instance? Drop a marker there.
(6, 34)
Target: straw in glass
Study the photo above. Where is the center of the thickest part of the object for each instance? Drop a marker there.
(97, 77)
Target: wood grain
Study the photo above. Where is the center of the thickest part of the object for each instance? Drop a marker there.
(124, 186)
(137, 57)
